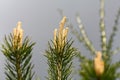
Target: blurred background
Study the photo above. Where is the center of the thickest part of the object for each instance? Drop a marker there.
(40, 17)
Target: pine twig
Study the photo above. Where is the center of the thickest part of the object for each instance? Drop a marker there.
(102, 27)
(17, 51)
(115, 27)
(84, 38)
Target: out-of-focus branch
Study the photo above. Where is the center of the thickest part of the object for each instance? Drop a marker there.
(84, 38)
(102, 27)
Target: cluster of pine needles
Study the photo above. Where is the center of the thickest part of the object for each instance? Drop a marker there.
(60, 53)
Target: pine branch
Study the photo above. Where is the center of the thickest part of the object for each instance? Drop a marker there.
(102, 27)
(101, 68)
(60, 54)
(115, 27)
(18, 55)
(84, 37)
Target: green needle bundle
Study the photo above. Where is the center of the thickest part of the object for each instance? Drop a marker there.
(100, 66)
(18, 55)
(60, 54)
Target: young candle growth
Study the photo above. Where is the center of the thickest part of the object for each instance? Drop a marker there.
(60, 34)
(60, 54)
(17, 36)
(98, 64)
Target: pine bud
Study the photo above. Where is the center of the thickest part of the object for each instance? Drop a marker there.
(99, 64)
(17, 36)
(61, 34)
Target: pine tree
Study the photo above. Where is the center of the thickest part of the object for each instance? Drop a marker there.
(18, 55)
(100, 67)
(60, 54)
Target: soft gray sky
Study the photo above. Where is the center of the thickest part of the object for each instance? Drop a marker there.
(40, 17)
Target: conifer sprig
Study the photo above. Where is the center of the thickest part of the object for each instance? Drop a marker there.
(60, 54)
(100, 66)
(18, 55)
(85, 38)
(102, 28)
(114, 30)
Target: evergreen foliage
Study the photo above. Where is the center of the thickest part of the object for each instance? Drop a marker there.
(18, 64)
(59, 55)
(87, 66)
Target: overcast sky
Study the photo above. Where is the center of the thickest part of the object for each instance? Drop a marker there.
(40, 17)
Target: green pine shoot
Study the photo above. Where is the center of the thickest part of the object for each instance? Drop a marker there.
(18, 55)
(60, 55)
(100, 66)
